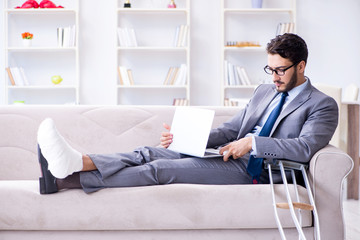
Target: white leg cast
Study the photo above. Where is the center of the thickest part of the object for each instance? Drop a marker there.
(62, 159)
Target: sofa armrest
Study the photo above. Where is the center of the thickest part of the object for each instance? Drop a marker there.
(327, 172)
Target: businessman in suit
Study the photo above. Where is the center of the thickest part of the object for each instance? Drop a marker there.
(305, 123)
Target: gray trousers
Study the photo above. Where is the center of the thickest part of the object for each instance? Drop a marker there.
(155, 166)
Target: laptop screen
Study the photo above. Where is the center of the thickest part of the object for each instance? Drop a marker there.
(191, 128)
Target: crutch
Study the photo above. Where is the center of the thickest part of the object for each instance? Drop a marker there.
(283, 165)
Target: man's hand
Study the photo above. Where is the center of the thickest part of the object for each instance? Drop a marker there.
(237, 149)
(166, 137)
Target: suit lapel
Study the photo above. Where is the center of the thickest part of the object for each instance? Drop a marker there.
(252, 119)
(263, 104)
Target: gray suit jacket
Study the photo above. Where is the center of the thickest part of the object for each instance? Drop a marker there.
(305, 126)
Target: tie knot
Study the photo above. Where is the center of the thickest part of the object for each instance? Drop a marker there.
(284, 94)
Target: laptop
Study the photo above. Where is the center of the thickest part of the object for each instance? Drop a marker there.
(191, 129)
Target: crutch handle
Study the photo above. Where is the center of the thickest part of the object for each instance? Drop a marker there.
(303, 206)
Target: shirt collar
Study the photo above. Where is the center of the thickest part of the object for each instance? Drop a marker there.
(296, 90)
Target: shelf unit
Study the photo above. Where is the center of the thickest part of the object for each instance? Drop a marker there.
(45, 58)
(242, 23)
(155, 29)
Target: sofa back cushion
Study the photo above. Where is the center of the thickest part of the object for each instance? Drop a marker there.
(88, 129)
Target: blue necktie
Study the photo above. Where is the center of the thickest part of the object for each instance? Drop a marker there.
(254, 167)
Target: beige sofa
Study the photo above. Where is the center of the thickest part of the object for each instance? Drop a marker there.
(180, 211)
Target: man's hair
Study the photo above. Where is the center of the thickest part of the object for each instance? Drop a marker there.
(289, 46)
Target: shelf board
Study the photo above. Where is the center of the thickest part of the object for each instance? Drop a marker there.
(152, 10)
(41, 49)
(39, 10)
(245, 49)
(152, 86)
(154, 48)
(258, 10)
(42, 87)
(241, 87)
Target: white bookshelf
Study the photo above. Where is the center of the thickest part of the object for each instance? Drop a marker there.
(242, 23)
(155, 28)
(45, 58)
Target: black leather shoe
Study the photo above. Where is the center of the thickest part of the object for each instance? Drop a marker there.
(47, 181)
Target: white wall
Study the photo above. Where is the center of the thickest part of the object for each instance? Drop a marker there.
(98, 41)
(330, 27)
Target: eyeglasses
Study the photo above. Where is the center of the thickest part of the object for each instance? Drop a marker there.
(278, 71)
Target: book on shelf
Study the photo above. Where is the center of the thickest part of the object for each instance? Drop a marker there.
(66, 36)
(127, 37)
(17, 76)
(181, 77)
(235, 75)
(230, 78)
(125, 76)
(168, 75)
(11, 78)
(286, 27)
(181, 36)
(176, 76)
(24, 77)
(131, 78)
(180, 102)
(243, 76)
(236, 102)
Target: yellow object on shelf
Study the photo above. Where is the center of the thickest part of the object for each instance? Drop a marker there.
(242, 44)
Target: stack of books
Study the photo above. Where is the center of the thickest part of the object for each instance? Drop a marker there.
(66, 36)
(125, 76)
(17, 76)
(181, 102)
(181, 36)
(236, 102)
(127, 37)
(176, 76)
(235, 75)
(285, 28)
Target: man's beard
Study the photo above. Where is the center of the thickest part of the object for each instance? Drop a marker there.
(291, 84)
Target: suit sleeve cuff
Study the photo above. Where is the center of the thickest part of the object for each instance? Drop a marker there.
(253, 150)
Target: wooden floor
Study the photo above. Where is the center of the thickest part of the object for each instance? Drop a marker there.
(352, 219)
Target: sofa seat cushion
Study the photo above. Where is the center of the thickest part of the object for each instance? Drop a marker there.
(177, 206)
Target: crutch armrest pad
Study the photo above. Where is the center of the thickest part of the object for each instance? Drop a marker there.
(303, 206)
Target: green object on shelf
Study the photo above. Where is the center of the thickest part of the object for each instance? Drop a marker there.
(56, 79)
(19, 102)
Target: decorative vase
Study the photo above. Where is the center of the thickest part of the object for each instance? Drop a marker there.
(27, 42)
(127, 4)
(256, 3)
(172, 4)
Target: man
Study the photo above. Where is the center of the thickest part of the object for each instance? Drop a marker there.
(289, 119)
